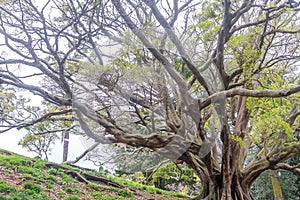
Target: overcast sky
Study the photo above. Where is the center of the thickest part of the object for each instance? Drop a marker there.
(9, 141)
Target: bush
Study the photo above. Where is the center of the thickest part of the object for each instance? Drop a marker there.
(52, 171)
(170, 174)
(6, 188)
(125, 193)
(69, 190)
(33, 187)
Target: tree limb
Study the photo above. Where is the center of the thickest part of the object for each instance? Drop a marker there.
(295, 169)
(83, 154)
(250, 93)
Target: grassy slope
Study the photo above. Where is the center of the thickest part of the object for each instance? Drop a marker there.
(23, 178)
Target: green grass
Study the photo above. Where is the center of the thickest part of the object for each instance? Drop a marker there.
(37, 181)
(32, 186)
(149, 189)
(6, 188)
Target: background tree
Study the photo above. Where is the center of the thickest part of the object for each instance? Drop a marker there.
(191, 81)
(39, 141)
(262, 187)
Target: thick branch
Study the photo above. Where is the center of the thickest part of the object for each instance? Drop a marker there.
(43, 118)
(250, 93)
(38, 91)
(295, 169)
(117, 135)
(163, 22)
(276, 156)
(183, 87)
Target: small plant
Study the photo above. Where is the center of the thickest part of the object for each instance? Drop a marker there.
(180, 195)
(3, 197)
(106, 197)
(69, 190)
(52, 178)
(30, 170)
(33, 187)
(73, 198)
(77, 191)
(39, 164)
(125, 193)
(28, 176)
(65, 177)
(40, 177)
(61, 194)
(97, 195)
(49, 184)
(151, 190)
(94, 186)
(6, 188)
(52, 171)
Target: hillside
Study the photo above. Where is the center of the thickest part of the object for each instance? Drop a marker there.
(23, 178)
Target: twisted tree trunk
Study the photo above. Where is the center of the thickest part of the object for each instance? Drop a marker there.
(221, 186)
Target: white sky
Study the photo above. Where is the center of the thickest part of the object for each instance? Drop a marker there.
(9, 141)
(77, 144)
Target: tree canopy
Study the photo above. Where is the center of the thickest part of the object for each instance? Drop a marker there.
(205, 83)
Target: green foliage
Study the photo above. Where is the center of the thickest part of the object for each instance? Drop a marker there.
(32, 186)
(173, 174)
(14, 160)
(65, 177)
(39, 164)
(125, 193)
(132, 160)
(262, 187)
(49, 184)
(94, 186)
(6, 188)
(40, 180)
(97, 195)
(24, 196)
(52, 171)
(30, 170)
(107, 197)
(73, 198)
(38, 140)
(147, 188)
(61, 193)
(246, 55)
(269, 125)
(69, 190)
(238, 139)
(207, 22)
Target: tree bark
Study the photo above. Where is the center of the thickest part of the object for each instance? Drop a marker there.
(216, 185)
(229, 189)
(66, 145)
(276, 185)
